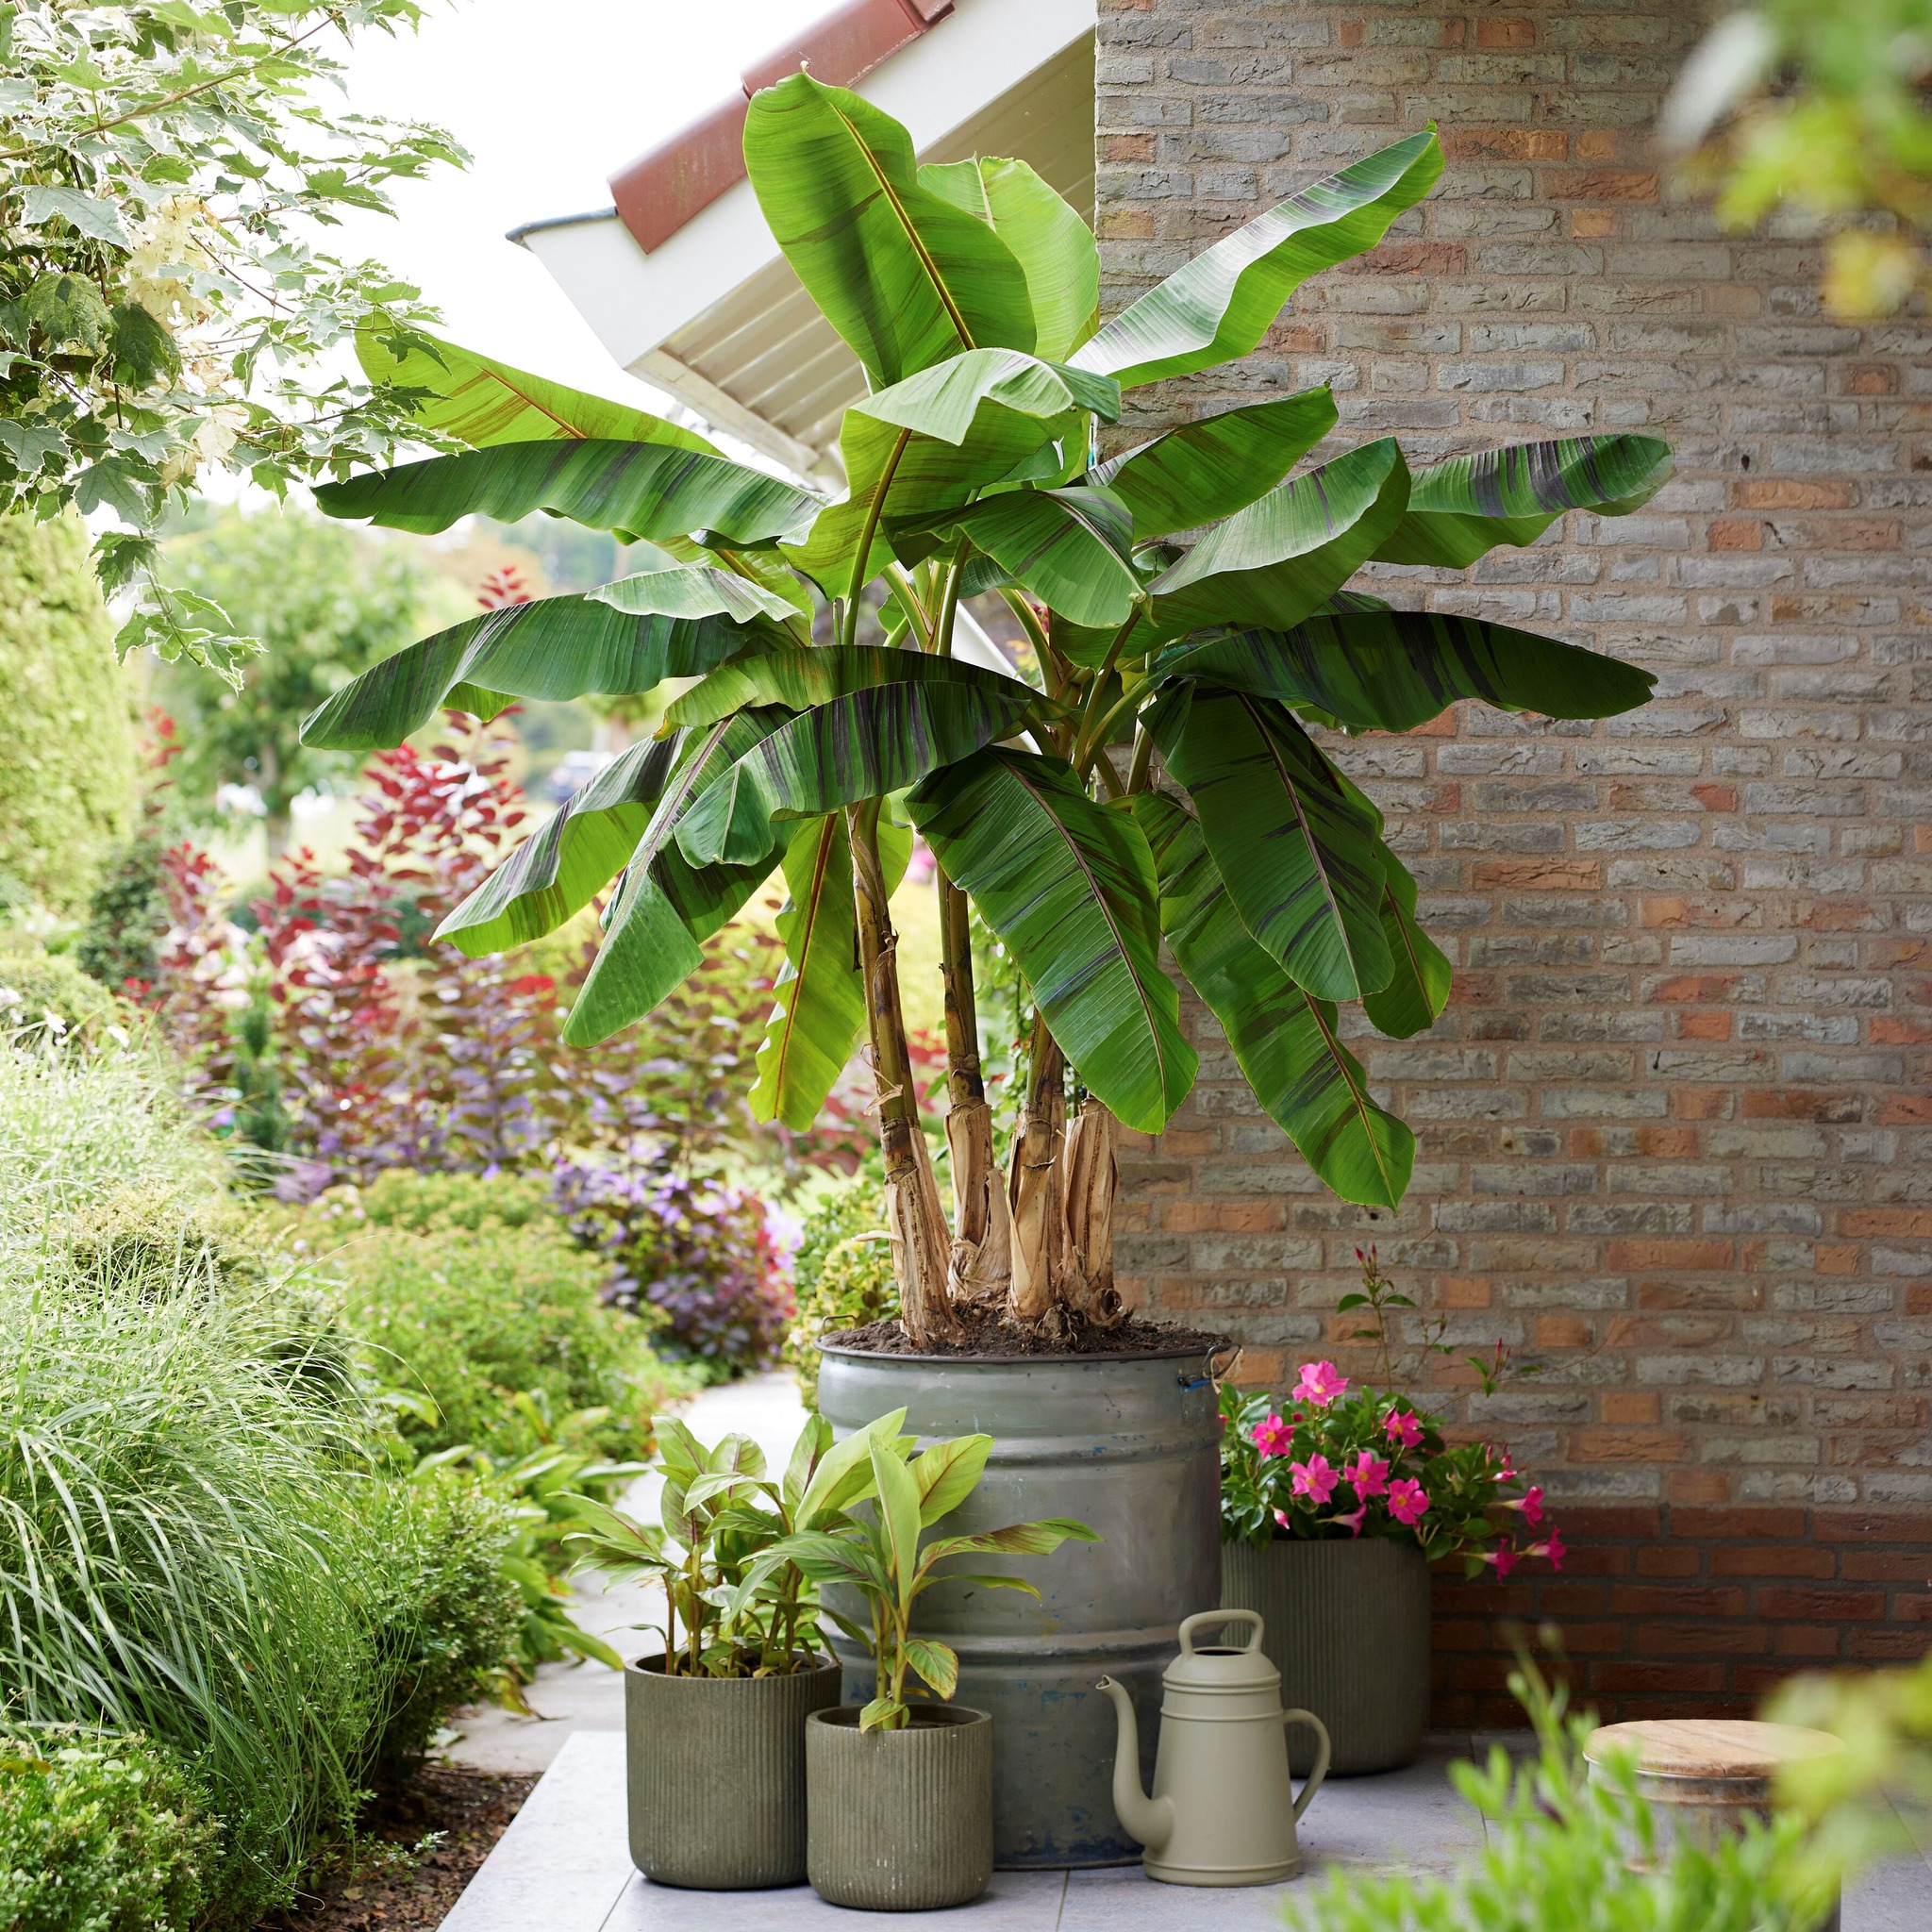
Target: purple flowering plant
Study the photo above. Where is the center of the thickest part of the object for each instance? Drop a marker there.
(1333, 1460)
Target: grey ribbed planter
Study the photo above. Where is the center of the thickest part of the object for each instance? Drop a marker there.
(716, 1775)
(1347, 1625)
(900, 1820)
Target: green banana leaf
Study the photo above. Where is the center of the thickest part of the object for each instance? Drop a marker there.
(482, 401)
(564, 864)
(800, 679)
(1283, 1040)
(1390, 670)
(638, 489)
(1289, 551)
(1208, 470)
(906, 277)
(821, 991)
(929, 442)
(1052, 243)
(553, 647)
(1461, 509)
(1297, 845)
(1068, 884)
(1220, 305)
(1071, 548)
(873, 740)
(664, 907)
(1419, 988)
(692, 590)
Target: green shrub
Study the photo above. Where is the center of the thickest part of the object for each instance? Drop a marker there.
(35, 983)
(472, 1315)
(841, 1274)
(99, 1834)
(442, 1613)
(434, 1203)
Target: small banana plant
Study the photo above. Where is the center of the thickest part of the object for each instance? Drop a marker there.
(879, 1556)
(732, 1610)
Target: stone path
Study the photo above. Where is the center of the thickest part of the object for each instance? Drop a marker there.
(563, 1866)
(590, 1696)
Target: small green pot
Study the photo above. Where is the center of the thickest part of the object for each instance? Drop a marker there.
(1347, 1625)
(716, 1775)
(900, 1820)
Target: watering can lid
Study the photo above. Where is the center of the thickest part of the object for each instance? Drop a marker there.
(1221, 1666)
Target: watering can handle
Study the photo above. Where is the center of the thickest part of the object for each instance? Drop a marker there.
(1218, 1619)
(1313, 1783)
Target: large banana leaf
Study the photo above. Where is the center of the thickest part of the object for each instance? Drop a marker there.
(1291, 550)
(564, 864)
(1419, 988)
(873, 740)
(800, 679)
(1220, 305)
(482, 401)
(1299, 848)
(1283, 1040)
(821, 991)
(1392, 670)
(906, 277)
(1054, 245)
(638, 489)
(664, 905)
(946, 401)
(1208, 470)
(693, 589)
(554, 647)
(1069, 886)
(1461, 509)
(896, 471)
(1071, 548)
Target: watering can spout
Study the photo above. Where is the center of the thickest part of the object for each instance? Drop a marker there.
(1149, 1820)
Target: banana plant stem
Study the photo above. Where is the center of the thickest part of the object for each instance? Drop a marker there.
(869, 529)
(1143, 761)
(964, 1082)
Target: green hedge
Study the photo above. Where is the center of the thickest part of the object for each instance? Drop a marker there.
(66, 756)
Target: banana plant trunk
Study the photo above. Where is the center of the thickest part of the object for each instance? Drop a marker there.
(981, 1272)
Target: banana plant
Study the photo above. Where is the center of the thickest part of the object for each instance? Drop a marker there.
(1160, 778)
(879, 1556)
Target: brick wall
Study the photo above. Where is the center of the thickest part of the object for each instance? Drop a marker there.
(1674, 1124)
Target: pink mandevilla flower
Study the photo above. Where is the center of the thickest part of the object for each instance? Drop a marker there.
(1554, 1549)
(1272, 1436)
(1409, 1502)
(1505, 1559)
(1369, 1473)
(1281, 1517)
(1321, 1383)
(1352, 1518)
(1315, 1478)
(1532, 1505)
(1401, 1427)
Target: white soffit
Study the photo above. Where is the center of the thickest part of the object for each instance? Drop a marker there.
(715, 315)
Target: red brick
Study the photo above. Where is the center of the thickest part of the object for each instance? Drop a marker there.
(1873, 1527)
(1505, 33)
(1755, 1561)
(1668, 1560)
(1694, 1255)
(1658, 1600)
(1889, 1566)
(1755, 1520)
(1835, 1606)
(1682, 1679)
(1702, 1640)
(1810, 1640)
(1889, 1646)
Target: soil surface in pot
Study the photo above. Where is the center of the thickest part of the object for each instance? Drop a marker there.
(993, 1333)
(416, 1850)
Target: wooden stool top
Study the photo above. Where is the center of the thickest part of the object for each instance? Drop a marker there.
(1709, 1747)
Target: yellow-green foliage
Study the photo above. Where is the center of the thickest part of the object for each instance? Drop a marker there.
(842, 1274)
(35, 983)
(67, 761)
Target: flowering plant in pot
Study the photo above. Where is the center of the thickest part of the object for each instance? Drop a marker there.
(1335, 1501)
(900, 1792)
(715, 1723)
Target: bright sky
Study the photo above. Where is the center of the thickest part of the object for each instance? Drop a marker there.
(551, 97)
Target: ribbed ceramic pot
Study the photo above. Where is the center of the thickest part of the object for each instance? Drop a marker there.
(1347, 1625)
(900, 1820)
(716, 1775)
(1129, 1445)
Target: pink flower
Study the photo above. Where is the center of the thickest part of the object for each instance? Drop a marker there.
(1321, 1383)
(1281, 1517)
(1554, 1549)
(1314, 1478)
(1352, 1518)
(1505, 1559)
(1531, 1506)
(1369, 1473)
(1401, 1427)
(1272, 1436)
(1409, 1502)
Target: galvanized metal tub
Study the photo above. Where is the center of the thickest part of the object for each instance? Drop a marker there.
(1126, 1444)
(1346, 1622)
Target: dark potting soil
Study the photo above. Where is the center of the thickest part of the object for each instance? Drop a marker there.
(991, 1333)
(415, 1852)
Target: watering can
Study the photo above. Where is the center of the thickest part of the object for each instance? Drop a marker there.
(1222, 1810)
